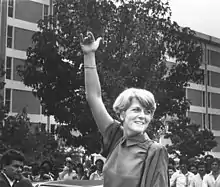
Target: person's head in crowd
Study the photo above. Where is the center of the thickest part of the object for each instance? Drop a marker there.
(46, 167)
(201, 168)
(27, 170)
(35, 169)
(79, 168)
(208, 158)
(171, 170)
(172, 162)
(69, 164)
(193, 168)
(12, 164)
(215, 165)
(183, 165)
(92, 169)
(99, 164)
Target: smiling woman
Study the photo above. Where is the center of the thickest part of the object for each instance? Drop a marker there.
(133, 160)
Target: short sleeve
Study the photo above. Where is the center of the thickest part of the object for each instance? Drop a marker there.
(111, 137)
(155, 173)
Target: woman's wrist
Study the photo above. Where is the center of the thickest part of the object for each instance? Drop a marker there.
(91, 53)
(89, 61)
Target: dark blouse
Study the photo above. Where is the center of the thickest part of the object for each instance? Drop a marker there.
(134, 161)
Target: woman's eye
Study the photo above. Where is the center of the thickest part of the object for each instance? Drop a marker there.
(136, 109)
(147, 112)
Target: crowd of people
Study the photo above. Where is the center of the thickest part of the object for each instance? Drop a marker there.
(15, 174)
(194, 172)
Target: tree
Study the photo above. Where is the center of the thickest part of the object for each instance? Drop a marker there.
(188, 139)
(16, 134)
(138, 37)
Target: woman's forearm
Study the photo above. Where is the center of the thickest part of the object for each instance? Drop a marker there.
(92, 83)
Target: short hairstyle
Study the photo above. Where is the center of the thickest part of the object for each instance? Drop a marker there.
(99, 160)
(192, 165)
(208, 156)
(215, 160)
(123, 101)
(10, 155)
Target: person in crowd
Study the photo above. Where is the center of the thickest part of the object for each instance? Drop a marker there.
(80, 172)
(35, 171)
(183, 177)
(197, 179)
(98, 174)
(208, 160)
(27, 172)
(133, 159)
(87, 165)
(92, 169)
(45, 173)
(212, 179)
(171, 170)
(12, 162)
(171, 162)
(68, 172)
(193, 168)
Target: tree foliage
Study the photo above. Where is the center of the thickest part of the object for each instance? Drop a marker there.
(137, 38)
(16, 134)
(189, 139)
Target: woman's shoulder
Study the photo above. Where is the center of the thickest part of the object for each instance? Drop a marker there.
(157, 146)
(113, 127)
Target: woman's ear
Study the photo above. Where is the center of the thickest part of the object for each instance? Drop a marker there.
(122, 116)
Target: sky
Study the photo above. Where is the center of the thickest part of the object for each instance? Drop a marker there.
(200, 15)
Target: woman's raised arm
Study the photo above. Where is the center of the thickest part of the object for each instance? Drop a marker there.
(92, 84)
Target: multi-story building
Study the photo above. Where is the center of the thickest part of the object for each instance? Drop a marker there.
(18, 22)
(205, 97)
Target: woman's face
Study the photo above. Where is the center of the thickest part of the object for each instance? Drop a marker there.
(136, 118)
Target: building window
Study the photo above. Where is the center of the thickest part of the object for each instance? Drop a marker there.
(208, 78)
(208, 56)
(203, 79)
(8, 99)
(45, 12)
(52, 129)
(9, 36)
(8, 67)
(209, 121)
(11, 8)
(208, 99)
(43, 127)
(203, 99)
(203, 120)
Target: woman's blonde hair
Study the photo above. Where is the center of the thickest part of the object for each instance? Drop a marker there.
(123, 101)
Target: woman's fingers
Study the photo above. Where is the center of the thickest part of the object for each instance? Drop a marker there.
(91, 36)
(81, 38)
(99, 39)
